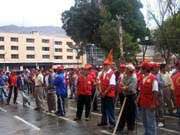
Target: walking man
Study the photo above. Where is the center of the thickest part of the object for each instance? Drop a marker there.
(12, 87)
(61, 90)
(39, 95)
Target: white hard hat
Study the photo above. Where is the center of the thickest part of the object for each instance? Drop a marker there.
(130, 67)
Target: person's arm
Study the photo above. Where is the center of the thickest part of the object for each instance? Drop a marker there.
(155, 92)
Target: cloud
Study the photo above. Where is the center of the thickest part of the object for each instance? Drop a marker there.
(33, 12)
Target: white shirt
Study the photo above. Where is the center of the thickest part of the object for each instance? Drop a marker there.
(112, 80)
(47, 80)
(155, 86)
(39, 80)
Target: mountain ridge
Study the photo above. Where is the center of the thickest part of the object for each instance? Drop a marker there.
(43, 30)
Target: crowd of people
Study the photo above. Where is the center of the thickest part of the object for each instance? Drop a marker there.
(150, 90)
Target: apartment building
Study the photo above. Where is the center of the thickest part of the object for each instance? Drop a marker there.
(18, 51)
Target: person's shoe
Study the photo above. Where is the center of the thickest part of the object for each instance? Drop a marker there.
(130, 132)
(111, 127)
(101, 124)
(37, 109)
(77, 119)
(160, 124)
(119, 132)
(15, 103)
(87, 119)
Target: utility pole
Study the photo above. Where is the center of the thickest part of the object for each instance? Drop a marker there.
(119, 18)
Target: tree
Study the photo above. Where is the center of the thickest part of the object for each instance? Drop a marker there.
(132, 18)
(166, 36)
(87, 23)
(81, 23)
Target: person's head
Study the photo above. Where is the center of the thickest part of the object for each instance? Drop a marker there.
(60, 69)
(122, 68)
(163, 68)
(13, 72)
(145, 67)
(130, 69)
(155, 68)
(87, 69)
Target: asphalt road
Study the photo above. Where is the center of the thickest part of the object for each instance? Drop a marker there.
(19, 120)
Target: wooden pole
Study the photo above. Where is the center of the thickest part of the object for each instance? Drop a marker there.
(119, 117)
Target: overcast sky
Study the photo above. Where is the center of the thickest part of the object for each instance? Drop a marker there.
(37, 12)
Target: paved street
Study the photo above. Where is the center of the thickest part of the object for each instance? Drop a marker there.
(19, 120)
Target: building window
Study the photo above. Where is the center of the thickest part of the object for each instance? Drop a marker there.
(69, 50)
(14, 47)
(30, 56)
(45, 40)
(29, 40)
(69, 43)
(58, 57)
(45, 48)
(14, 39)
(45, 56)
(69, 57)
(58, 42)
(30, 48)
(58, 49)
(1, 56)
(14, 56)
(1, 38)
(1, 47)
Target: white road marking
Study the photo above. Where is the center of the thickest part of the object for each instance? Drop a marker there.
(27, 123)
(97, 114)
(105, 132)
(3, 110)
(60, 117)
(25, 105)
(64, 118)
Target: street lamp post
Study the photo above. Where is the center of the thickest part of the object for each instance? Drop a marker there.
(92, 53)
(144, 44)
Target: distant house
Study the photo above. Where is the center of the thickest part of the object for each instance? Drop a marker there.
(151, 54)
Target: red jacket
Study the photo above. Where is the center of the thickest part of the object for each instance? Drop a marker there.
(13, 80)
(84, 85)
(176, 84)
(105, 83)
(147, 99)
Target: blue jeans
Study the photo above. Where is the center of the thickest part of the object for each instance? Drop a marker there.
(149, 121)
(2, 94)
(61, 105)
(107, 110)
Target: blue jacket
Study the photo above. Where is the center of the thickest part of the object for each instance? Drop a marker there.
(2, 82)
(60, 85)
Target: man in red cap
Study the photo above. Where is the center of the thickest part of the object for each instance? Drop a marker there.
(176, 87)
(61, 91)
(148, 99)
(107, 92)
(84, 92)
(12, 87)
(122, 69)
